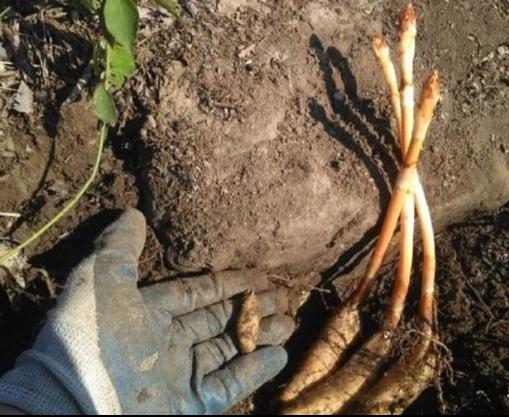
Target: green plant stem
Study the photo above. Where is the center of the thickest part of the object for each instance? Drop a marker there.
(107, 74)
(4, 12)
(13, 252)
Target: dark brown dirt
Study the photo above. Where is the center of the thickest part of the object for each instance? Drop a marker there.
(473, 312)
(258, 134)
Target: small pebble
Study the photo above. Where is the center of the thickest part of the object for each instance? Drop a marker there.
(152, 121)
(249, 66)
(244, 52)
(337, 96)
(503, 51)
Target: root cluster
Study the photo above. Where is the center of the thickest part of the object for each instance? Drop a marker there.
(321, 386)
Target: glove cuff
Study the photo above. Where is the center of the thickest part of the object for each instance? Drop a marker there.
(34, 389)
(62, 374)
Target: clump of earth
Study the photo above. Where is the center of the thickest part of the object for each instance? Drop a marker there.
(268, 142)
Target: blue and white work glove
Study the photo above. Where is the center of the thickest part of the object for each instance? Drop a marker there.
(109, 348)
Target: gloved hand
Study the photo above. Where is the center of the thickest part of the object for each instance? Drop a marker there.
(110, 348)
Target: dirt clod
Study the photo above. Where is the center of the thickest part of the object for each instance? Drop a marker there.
(272, 133)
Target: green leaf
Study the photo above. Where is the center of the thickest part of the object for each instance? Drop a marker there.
(122, 64)
(170, 6)
(121, 21)
(105, 106)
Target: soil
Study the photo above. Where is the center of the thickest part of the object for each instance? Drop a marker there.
(258, 134)
(473, 312)
(274, 130)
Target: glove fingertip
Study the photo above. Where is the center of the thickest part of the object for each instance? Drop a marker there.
(275, 330)
(261, 366)
(126, 235)
(241, 377)
(275, 357)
